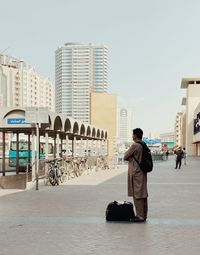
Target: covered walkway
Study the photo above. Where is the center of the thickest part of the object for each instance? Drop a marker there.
(62, 132)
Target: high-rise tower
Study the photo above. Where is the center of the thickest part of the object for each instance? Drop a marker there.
(80, 69)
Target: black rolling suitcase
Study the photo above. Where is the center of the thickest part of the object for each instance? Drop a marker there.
(119, 211)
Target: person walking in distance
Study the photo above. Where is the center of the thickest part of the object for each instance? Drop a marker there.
(184, 155)
(167, 155)
(137, 180)
(179, 155)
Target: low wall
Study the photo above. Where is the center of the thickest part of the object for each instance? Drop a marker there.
(14, 181)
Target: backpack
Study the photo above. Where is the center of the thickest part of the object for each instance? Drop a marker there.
(146, 164)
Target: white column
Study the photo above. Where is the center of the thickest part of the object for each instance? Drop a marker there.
(4, 152)
(75, 146)
(57, 145)
(67, 144)
(33, 162)
(81, 147)
(91, 147)
(106, 145)
(46, 145)
(103, 148)
(61, 145)
(37, 154)
(87, 147)
(95, 147)
(98, 148)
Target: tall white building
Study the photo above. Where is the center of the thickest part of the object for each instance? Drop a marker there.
(21, 85)
(124, 125)
(79, 69)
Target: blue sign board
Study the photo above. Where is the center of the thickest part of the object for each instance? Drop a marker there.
(16, 121)
(150, 141)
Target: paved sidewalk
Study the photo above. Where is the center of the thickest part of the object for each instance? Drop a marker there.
(4, 192)
(69, 219)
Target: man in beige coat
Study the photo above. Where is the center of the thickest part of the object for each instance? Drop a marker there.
(137, 180)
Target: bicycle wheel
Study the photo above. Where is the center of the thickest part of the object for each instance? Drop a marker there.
(52, 179)
(76, 171)
(62, 177)
(69, 171)
(82, 169)
(57, 180)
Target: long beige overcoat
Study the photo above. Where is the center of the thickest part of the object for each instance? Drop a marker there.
(137, 181)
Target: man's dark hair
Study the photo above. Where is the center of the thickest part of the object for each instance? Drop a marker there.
(138, 132)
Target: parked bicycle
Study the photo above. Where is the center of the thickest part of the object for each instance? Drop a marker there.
(54, 172)
(67, 169)
(83, 166)
(76, 168)
(102, 164)
(73, 167)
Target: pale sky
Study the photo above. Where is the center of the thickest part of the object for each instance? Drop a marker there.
(152, 44)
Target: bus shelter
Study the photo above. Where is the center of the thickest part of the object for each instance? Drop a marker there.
(65, 132)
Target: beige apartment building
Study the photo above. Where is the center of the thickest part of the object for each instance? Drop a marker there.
(103, 113)
(21, 85)
(191, 102)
